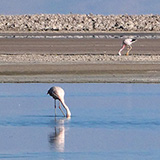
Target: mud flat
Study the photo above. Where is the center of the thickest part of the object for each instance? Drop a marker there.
(80, 73)
(78, 60)
(75, 46)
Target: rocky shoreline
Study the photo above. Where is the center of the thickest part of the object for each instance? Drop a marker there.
(77, 22)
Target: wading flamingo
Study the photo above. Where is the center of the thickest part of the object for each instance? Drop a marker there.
(58, 93)
(127, 42)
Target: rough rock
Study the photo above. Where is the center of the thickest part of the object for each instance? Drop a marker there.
(79, 22)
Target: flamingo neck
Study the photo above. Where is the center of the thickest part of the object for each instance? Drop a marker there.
(68, 113)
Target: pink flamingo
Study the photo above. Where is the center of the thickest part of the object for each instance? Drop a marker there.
(58, 93)
(127, 42)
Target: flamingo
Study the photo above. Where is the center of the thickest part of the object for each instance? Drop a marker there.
(58, 93)
(127, 42)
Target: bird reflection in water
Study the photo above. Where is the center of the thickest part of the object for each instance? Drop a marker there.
(57, 138)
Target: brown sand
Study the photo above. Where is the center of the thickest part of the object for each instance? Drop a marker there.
(75, 46)
(80, 73)
(78, 60)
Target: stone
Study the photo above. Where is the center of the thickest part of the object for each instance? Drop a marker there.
(79, 22)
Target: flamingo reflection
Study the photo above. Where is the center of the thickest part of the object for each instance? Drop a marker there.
(57, 138)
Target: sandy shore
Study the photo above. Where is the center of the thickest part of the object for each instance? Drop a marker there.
(78, 60)
(80, 73)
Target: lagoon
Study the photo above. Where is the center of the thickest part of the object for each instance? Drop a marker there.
(113, 121)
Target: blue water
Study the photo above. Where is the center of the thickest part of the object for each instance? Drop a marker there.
(109, 121)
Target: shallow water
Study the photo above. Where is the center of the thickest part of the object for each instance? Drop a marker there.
(109, 121)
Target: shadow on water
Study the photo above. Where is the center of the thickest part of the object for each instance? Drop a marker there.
(86, 122)
(30, 121)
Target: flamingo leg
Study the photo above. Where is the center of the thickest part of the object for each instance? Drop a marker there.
(61, 109)
(121, 49)
(55, 107)
(129, 49)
